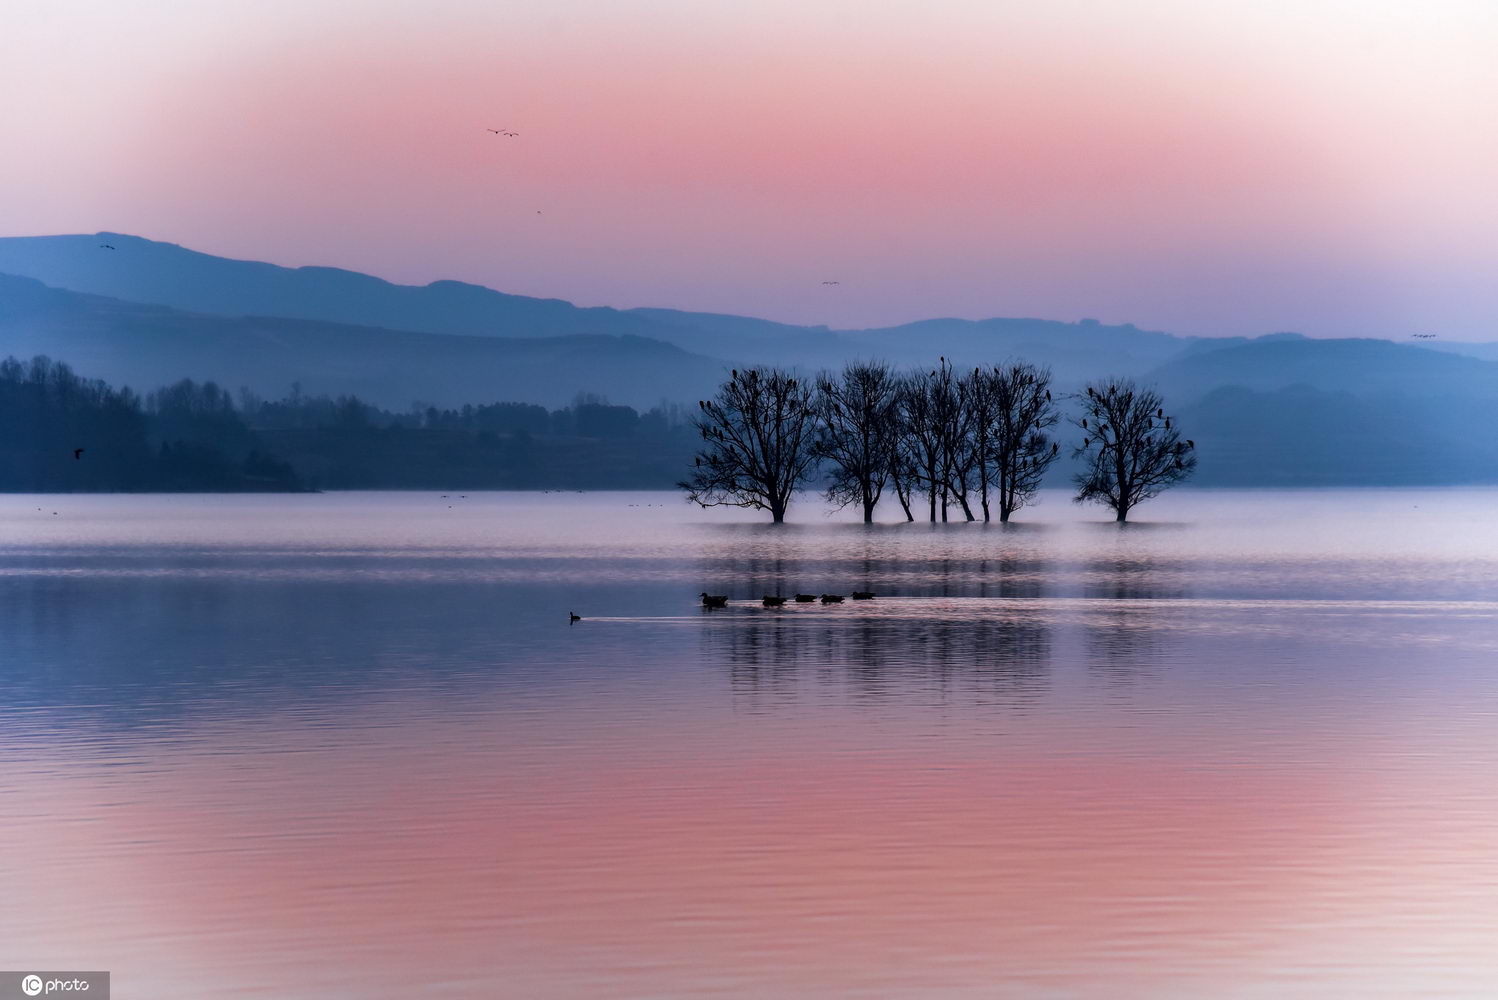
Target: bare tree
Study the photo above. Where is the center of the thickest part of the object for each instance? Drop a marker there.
(955, 415)
(935, 425)
(858, 411)
(1013, 410)
(904, 475)
(921, 437)
(758, 434)
(1132, 449)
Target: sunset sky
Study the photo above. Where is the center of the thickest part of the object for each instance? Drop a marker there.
(1209, 168)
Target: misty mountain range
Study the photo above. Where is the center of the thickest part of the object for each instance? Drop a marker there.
(145, 313)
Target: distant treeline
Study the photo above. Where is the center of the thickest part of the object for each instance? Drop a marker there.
(195, 436)
(66, 433)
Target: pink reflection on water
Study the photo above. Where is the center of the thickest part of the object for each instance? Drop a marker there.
(392, 862)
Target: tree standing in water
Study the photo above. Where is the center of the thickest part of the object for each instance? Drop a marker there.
(858, 410)
(757, 435)
(921, 438)
(935, 432)
(1132, 450)
(1014, 403)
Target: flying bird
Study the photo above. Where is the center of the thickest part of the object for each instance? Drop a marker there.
(832, 282)
(77, 454)
(105, 246)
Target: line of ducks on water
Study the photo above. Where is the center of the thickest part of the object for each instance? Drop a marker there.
(775, 600)
(769, 601)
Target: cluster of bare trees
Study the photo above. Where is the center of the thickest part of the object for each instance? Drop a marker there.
(975, 442)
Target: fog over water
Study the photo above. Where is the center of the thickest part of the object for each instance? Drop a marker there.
(348, 745)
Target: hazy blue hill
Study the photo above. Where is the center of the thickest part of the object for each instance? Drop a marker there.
(1074, 351)
(1358, 366)
(1484, 351)
(141, 270)
(147, 271)
(1296, 411)
(1300, 436)
(146, 345)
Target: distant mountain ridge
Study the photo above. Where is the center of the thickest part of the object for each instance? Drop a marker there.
(144, 346)
(148, 271)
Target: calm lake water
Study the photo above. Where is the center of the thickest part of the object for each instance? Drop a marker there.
(348, 745)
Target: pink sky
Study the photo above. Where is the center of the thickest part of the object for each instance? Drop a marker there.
(1204, 168)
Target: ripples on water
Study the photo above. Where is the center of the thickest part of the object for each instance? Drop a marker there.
(348, 745)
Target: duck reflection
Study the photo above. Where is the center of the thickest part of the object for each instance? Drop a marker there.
(873, 564)
(966, 649)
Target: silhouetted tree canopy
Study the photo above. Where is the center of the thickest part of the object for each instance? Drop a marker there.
(859, 410)
(757, 442)
(1014, 410)
(1132, 449)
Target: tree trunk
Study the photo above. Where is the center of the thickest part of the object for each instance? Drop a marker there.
(967, 509)
(868, 511)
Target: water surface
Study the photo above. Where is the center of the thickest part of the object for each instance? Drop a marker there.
(348, 745)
